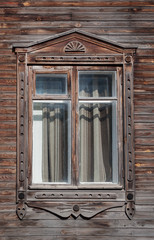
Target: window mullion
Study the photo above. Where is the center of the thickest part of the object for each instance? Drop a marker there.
(74, 127)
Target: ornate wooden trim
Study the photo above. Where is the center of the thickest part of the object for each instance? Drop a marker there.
(73, 58)
(81, 205)
(75, 195)
(22, 129)
(84, 209)
(129, 134)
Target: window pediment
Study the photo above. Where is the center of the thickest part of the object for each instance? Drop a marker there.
(77, 40)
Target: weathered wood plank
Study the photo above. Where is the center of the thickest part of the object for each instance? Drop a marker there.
(76, 232)
(75, 24)
(7, 170)
(80, 223)
(143, 118)
(7, 177)
(147, 74)
(145, 103)
(94, 29)
(76, 9)
(74, 238)
(8, 133)
(7, 67)
(133, 39)
(144, 155)
(104, 16)
(8, 140)
(145, 111)
(8, 58)
(7, 102)
(8, 125)
(144, 133)
(8, 74)
(7, 193)
(144, 126)
(144, 141)
(6, 162)
(68, 3)
(7, 117)
(143, 66)
(144, 59)
(8, 96)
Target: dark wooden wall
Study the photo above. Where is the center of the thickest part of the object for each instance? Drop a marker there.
(127, 22)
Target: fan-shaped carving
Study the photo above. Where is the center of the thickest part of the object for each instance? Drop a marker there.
(74, 46)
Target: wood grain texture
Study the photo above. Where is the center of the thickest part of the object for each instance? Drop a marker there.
(127, 22)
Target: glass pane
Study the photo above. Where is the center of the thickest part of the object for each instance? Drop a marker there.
(98, 150)
(51, 142)
(97, 84)
(51, 83)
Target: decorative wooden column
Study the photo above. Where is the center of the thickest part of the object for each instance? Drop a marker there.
(22, 141)
(129, 135)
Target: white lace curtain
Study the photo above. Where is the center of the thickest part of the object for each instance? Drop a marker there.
(95, 139)
(54, 166)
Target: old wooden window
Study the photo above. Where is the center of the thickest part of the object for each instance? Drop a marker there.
(75, 151)
(75, 129)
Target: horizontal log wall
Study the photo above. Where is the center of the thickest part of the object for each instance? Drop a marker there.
(127, 22)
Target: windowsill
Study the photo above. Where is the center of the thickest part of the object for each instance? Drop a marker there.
(100, 186)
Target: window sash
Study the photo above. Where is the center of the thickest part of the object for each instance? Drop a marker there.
(96, 127)
(38, 146)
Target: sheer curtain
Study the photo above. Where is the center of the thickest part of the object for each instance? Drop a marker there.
(54, 143)
(95, 138)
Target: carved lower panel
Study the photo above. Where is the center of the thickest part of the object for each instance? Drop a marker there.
(85, 210)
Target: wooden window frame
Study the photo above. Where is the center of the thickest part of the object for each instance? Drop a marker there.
(73, 96)
(66, 202)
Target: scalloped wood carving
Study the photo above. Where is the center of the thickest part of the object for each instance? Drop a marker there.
(74, 46)
(85, 210)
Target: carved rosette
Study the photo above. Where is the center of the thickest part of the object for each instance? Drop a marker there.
(21, 58)
(128, 59)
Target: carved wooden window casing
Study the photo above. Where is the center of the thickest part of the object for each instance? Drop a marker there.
(75, 146)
